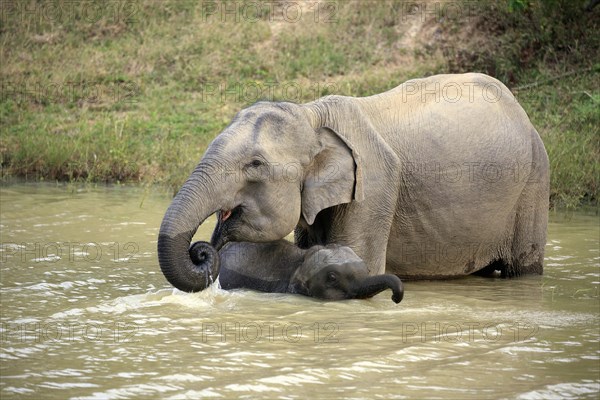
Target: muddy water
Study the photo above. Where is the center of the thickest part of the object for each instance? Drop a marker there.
(86, 314)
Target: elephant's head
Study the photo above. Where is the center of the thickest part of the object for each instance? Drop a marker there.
(273, 164)
(336, 272)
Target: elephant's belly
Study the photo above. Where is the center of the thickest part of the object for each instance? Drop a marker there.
(451, 229)
(443, 250)
(433, 260)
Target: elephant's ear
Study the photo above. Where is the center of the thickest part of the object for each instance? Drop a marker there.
(334, 177)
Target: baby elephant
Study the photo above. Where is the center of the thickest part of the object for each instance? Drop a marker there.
(330, 272)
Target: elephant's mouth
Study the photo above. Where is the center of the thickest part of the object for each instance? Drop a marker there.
(226, 221)
(223, 215)
(229, 215)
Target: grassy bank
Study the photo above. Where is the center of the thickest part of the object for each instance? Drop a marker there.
(136, 92)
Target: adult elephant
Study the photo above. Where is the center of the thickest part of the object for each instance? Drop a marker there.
(439, 177)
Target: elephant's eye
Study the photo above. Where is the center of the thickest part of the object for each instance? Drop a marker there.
(256, 163)
(331, 277)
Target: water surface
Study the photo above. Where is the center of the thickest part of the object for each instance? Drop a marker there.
(87, 314)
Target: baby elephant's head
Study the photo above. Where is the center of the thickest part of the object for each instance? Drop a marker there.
(335, 273)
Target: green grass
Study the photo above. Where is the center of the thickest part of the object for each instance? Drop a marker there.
(546, 51)
(137, 95)
(567, 114)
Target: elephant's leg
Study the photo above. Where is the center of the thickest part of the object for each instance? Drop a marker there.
(531, 222)
(529, 241)
(369, 238)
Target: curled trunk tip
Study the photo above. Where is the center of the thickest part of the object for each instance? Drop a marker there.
(398, 290)
(195, 270)
(377, 284)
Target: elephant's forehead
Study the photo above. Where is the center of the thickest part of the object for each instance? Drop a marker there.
(256, 129)
(261, 117)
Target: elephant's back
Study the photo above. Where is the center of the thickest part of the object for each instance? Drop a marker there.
(456, 106)
(454, 119)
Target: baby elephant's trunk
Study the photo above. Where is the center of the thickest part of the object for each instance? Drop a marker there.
(377, 284)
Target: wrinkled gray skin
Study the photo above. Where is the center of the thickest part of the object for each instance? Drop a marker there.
(330, 272)
(439, 177)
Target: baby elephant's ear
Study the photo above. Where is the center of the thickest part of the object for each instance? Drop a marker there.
(312, 262)
(332, 177)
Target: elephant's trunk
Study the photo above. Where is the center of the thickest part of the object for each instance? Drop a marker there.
(189, 269)
(376, 284)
